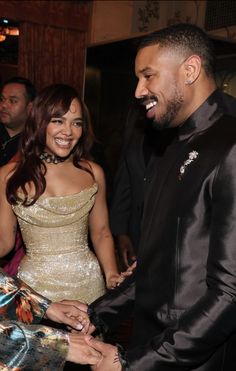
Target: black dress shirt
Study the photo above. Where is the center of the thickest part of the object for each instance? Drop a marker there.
(8, 145)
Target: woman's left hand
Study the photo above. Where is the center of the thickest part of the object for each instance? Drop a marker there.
(116, 279)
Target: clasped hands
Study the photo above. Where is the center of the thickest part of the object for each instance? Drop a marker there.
(74, 314)
(83, 348)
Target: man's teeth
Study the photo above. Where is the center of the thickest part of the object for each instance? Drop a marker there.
(150, 105)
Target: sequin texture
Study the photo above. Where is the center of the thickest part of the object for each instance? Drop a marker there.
(59, 263)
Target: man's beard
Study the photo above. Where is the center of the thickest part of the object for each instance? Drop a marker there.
(172, 109)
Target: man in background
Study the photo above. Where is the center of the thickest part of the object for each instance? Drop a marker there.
(17, 95)
(142, 143)
(16, 99)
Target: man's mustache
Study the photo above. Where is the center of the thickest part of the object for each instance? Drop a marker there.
(144, 100)
(4, 111)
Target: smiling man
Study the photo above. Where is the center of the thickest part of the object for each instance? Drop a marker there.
(184, 289)
(159, 88)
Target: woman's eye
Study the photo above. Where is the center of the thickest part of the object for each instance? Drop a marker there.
(78, 123)
(56, 121)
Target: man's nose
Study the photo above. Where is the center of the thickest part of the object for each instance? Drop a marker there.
(3, 103)
(140, 91)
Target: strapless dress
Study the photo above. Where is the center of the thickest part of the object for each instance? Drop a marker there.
(59, 263)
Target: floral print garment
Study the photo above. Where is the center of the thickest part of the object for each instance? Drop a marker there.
(23, 345)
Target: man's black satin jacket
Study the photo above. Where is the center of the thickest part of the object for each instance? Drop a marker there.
(184, 288)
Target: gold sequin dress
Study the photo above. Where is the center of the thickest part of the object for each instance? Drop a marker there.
(58, 263)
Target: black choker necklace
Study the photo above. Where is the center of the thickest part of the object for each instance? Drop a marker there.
(51, 159)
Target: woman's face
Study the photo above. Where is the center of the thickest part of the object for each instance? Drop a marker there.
(64, 132)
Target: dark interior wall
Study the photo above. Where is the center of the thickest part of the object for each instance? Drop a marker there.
(66, 14)
(52, 40)
(109, 92)
(116, 96)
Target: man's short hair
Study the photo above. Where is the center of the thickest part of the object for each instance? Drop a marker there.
(29, 87)
(185, 39)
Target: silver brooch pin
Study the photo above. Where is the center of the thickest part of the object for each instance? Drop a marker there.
(191, 157)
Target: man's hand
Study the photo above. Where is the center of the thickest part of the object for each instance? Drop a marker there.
(109, 360)
(80, 351)
(69, 313)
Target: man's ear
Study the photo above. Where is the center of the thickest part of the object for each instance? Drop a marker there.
(29, 107)
(192, 69)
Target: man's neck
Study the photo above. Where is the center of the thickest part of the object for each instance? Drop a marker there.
(13, 132)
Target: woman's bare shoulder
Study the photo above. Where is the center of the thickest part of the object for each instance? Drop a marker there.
(96, 169)
(92, 166)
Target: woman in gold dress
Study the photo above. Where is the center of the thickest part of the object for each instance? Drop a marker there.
(58, 196)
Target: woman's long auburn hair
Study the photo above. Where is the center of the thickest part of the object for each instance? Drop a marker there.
(53, 101)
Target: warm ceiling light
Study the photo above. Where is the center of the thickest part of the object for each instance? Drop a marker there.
(2, 38)
(8, 31)
(14, 31)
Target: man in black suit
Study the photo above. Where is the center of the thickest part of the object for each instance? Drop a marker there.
(129, 186)
(184, 288)
(142, 142)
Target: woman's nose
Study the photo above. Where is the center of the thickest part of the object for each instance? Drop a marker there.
(67, 128)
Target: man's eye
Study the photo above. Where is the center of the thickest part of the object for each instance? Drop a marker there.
(13, 101)
(147, 77)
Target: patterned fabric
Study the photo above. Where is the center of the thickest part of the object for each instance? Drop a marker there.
(24, 346)
(55, 233)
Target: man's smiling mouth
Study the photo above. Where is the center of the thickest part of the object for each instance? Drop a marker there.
(150, 105)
